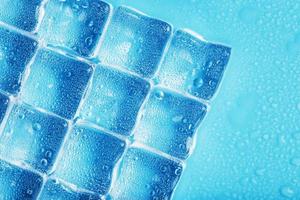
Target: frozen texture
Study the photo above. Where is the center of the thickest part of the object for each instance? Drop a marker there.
(114, 99)
(18, 183)
(4, 102)
(56, 190)
(134, 41)
(169, 121)
(88, 159)
(20, 13)
(145, 175)
(193, 65)
(16, 51)
(56, 83)
(32, 137)
(75, 25)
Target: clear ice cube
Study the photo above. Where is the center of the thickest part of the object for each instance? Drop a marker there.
(193, 65)
(22, 14)
(134, 41)
(146, 175)
(54, 189)
(75, 25)
(16, 51)
(4, 102)
(88, 159)
(56, 83)
(114, 99)
(32, 137)
(18, 183)
(169, 121)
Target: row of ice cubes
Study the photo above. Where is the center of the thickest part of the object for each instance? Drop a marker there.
(136, 90)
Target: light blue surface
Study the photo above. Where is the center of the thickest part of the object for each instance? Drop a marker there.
(248, 146)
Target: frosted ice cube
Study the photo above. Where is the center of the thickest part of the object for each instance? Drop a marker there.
(32, 137)
(169, 121)
(89, 158)
(18, 183)
(22, 14)
(134, 41)
(193, 65)
(145, 175)
(16, 51)
(114, 99)
(56, 83)
(57, 190)
(76, 25)
(4, 102)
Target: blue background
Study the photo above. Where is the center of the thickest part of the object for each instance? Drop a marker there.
(248, 146)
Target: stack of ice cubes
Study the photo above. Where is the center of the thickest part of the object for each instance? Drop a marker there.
(97, 103)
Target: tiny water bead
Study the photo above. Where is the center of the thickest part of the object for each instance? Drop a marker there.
(287, 192)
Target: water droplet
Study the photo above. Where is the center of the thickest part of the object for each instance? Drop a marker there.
(177, 118)
(44, 162)
(178, 171)
(29, 191)
(159, 94)
(198, 82)
(36, 127)
(48, 154)
(287, 192)
(21, 116)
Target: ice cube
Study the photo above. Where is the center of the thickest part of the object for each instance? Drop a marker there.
(54, 189)
(18, 183)
(89, 158)
(146, 175)
(4, 102)
(169, 121)
(56, 83)
(32, 137)
(114, 99)
(134, 41)
(193, 65)
(75, 25)
(16, 51)
(22, 14)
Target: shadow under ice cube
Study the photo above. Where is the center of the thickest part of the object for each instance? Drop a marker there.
(32, 137)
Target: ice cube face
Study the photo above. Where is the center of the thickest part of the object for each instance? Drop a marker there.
(56, 190)
(89, 158)
(16, 51)
(32, 137)
(145, 175)
(56, 83)
(17, 183)
(20, 13)
(4, 102)
(169, 121)
(134, 41)
(74, 25)
(114, 100)
(192, 65)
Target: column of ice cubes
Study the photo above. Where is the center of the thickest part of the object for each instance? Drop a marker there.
(56, 83)
(192, 65)
(169, 121)
(134, 41)
(55, 189)
(114, 99)
(89, 158)
(146, 175)
(22, 14)
(74, 25)
(16, 51)
(32, 137)
(18, 183)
